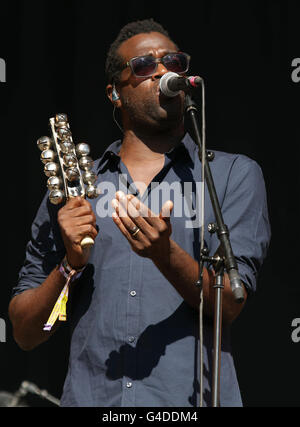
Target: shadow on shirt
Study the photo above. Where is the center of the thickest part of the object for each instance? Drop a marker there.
(152, 344)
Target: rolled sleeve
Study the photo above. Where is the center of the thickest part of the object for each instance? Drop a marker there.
(245, 213)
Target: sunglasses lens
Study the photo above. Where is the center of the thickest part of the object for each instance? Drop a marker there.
(176, 62)
(143, 66)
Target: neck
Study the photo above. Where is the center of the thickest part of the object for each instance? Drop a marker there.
(136, 147)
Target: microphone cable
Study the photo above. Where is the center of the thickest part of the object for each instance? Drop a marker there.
(203, 157)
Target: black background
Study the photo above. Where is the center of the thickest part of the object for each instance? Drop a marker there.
(55, 54)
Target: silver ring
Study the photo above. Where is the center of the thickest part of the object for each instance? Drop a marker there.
(134, 231)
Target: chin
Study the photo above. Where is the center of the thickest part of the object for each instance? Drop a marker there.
(170, 118)
(165, 125)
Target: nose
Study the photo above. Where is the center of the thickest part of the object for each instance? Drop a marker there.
(160, 71)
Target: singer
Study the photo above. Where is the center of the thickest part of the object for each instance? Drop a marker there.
(134, 309)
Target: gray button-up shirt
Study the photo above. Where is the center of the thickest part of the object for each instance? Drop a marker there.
(135, 341)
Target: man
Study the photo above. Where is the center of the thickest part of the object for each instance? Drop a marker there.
(134, 310)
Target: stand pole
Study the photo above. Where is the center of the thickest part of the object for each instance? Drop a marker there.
(219, 286)
(227, 259)
(221, 229)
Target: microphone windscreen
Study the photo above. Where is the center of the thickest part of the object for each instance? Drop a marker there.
(163, 84)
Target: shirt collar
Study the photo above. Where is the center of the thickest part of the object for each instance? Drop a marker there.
(185, 151)
(110, 154)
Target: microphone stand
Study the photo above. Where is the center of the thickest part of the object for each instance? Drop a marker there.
(224, 258)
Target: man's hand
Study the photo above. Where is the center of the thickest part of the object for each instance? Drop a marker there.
(147, 233)
(77, 220)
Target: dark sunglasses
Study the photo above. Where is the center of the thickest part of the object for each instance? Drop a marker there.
(145, 66)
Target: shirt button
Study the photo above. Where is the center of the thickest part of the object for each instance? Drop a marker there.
(131, 339)
(129, 385)
(133, 293)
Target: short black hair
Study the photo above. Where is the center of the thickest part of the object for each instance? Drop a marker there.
(114, 61)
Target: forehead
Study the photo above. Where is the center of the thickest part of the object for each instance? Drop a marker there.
(146, 43)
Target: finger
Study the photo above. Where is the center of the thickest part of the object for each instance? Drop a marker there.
(143, 210)
(86, 219)
(126, 224)
(85, 230)
(122, 214)
(75, 202)
(121, 226)
(83, 211)
(166, 211)
(135, 215)
(140, 210)
(77, 211)
(124, 200)
(152, 222)
(134, 242)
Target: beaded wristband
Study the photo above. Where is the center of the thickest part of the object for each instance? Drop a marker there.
(66, 270)
(60, 308)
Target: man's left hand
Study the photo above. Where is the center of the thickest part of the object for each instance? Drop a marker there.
(147, 233)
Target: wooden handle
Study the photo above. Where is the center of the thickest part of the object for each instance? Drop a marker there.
(86, 242)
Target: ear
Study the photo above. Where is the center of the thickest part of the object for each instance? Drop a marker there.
(113, 95)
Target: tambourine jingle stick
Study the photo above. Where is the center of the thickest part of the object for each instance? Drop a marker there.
(70, 192)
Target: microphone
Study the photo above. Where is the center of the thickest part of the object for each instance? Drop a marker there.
(171, 83)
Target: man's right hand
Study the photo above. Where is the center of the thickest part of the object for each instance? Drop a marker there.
(77, 220)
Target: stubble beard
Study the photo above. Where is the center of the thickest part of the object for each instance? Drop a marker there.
(153, 118)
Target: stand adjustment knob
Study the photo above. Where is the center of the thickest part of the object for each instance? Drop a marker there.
(212, 227)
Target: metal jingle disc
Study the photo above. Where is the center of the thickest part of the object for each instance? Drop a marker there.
(47, 156)
(67, 147)
(61, 125)
(54, 183)
(82, 149)
(60, 118)
(91, 191)
(72, 174)
(56, 197)
(51, 169)
(86, 163)
(69, 160)
(89, 177)
(44, 143)
(63, 133)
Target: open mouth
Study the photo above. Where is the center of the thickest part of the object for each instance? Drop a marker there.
(165, 98)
